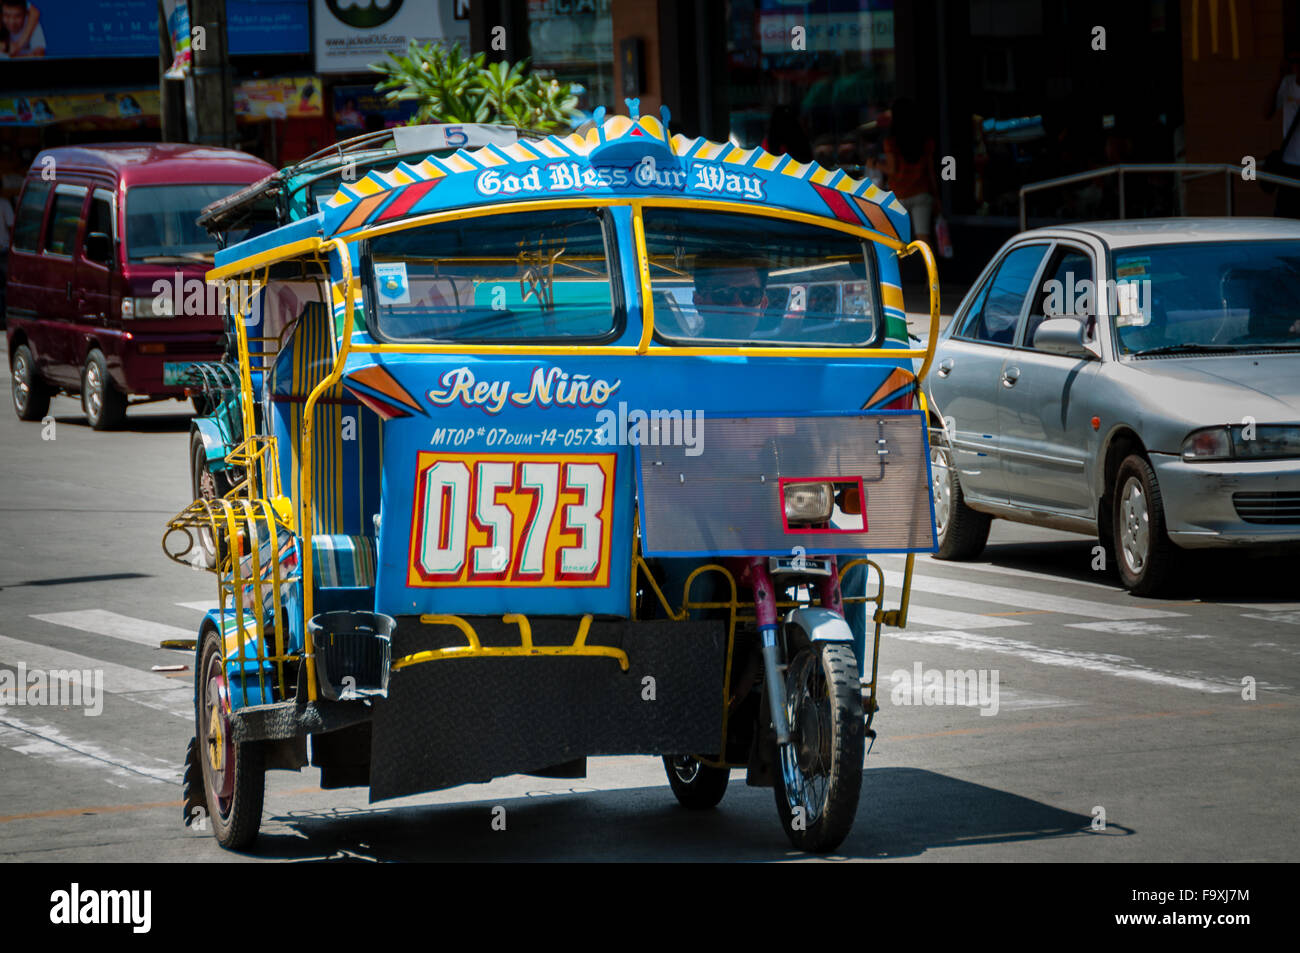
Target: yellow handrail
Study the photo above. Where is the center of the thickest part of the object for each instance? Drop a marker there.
(305, 453)
(932, 274)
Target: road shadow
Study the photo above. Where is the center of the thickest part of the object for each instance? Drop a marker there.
(137, 423)
(1209, 575)
(78, 580)
(904, 812)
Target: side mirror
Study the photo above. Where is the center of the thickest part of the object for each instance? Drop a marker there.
(1064, 336)
(99, 248)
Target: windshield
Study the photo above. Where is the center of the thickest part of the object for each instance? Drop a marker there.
(1207, 296)
(160, 221)
(534, 275)
(722, 277)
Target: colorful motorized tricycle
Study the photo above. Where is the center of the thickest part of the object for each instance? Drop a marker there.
(572, 446)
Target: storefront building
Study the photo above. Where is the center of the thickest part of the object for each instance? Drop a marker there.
(1010, 91)
(1013, 91)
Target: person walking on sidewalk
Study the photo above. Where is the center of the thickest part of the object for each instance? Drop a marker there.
(909, 168)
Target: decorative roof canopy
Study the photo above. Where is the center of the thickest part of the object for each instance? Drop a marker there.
(616, 156)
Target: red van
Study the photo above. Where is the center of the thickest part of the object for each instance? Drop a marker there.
(105, 255)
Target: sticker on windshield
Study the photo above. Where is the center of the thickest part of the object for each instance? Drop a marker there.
(1131, 267)
(391, 284)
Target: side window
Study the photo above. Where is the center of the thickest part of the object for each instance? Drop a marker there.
(994, 318)
(65, 219)
(1068, 291)
(100, 220)
(27, 225)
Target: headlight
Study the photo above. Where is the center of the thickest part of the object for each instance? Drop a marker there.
(1270, 441)
(151, 307)
(1241, 442)
(808, 502)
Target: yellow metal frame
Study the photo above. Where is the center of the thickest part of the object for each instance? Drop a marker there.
(640, 568)
(256, 451)
(476, 649)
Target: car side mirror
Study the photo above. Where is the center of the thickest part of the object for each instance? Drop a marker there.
(99, 248)
(1064, 336)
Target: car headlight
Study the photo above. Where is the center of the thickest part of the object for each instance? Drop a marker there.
(808, 502)
(159, 306)
(1242, 442)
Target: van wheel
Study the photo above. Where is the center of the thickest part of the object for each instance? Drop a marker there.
(1147, 558)
(31, 395)
(104, 404)
(961, 531)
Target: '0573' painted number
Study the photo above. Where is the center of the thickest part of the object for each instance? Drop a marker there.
(491, 519)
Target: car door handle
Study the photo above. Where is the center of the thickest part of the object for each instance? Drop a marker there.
(945, 367)
(1010, 376)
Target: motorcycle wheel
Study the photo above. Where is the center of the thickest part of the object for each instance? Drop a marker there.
(819, 774)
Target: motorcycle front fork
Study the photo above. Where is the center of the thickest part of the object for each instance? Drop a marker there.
(774, 664)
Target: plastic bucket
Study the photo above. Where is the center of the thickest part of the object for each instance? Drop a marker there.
(353, 651)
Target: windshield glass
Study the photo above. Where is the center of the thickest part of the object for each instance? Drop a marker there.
(1224, 295)
(721, 277)
(533, 275)
(160, 220)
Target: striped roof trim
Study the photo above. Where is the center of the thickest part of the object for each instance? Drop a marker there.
(612, 128)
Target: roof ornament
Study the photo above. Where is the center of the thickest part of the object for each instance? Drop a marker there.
(633, 108)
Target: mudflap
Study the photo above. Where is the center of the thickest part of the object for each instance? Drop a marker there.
(460, 721)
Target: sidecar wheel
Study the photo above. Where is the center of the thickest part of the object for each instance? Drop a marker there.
(697, 786)
(234, 774)
(824, 758)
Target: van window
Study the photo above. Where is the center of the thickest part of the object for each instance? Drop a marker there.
(99, 220)
(27, 227)
(65, 219)
(160, 221)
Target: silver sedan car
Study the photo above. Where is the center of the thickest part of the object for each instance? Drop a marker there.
(1138, 381)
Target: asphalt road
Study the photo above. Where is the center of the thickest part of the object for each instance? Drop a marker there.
(1105, 702)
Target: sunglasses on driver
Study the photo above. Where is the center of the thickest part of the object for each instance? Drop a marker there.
(745, 295)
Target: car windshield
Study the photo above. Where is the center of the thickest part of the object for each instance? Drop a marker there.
(160, 221)
(1207, 296)
(726, 278)
(533, 275)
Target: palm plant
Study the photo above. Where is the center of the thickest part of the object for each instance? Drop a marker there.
(451, 86)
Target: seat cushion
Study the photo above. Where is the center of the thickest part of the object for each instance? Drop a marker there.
(343, 561)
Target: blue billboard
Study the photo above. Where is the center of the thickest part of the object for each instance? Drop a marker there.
(100, 29)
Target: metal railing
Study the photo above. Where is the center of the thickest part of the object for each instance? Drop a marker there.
(1185, 171)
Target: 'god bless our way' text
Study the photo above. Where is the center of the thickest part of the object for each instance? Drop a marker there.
(576, 177)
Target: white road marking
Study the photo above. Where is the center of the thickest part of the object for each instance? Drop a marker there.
(1117, 665)
(1121, 628)
(948, 618)
(173, 696)
(1002, 570)
(1260, 606)
(197, 606)
(116, 626)
(1292, 617)
(34, 739)
(1014, 701)
(1025, 599)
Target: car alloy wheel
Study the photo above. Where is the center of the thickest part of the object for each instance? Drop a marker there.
(1135, 526)
(941, 483)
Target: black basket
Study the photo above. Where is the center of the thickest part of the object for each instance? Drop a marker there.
(352, 645)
